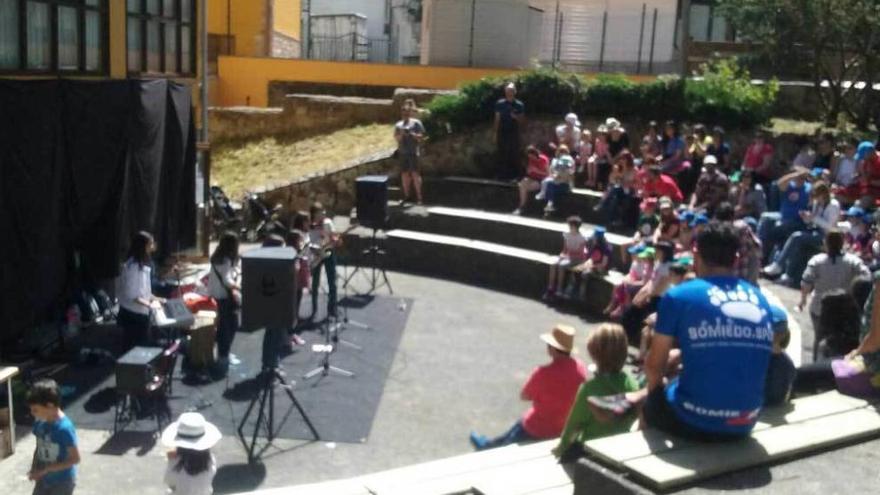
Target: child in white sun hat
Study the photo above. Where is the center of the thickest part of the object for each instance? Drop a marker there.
(191, 465)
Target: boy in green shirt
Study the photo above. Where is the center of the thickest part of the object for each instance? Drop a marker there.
(607, 347)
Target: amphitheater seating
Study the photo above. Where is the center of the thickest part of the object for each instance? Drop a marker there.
(615, 464)
(501, 228)
(500, 196)
(497, 266)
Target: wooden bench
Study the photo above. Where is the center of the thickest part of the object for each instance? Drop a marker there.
(808, 424)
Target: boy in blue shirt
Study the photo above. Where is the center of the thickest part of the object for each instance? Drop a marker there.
(775, 227)
(56, 453)
(723, 328)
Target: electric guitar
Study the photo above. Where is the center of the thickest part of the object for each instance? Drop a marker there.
(321, 252)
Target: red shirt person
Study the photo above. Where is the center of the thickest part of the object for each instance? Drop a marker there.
(759, 156)
(551, 389)
(657, 184)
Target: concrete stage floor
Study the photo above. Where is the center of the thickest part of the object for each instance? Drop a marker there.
(464, 355)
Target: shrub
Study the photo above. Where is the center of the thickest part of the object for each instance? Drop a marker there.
(726, 95)
(723, 95)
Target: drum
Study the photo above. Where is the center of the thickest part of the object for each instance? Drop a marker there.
(201, 341)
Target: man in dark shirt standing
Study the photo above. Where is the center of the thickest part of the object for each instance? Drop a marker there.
(509, 118)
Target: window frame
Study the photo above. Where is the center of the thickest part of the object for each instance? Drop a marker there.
(54, 69)
(163, 19)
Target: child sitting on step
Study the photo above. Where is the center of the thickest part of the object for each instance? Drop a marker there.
(639, 273)
(607, 347)
(559, 181)
(596, 264)
(574, 252)
(599, 164)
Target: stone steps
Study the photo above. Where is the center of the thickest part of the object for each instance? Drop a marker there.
(499, 196)
(500, 228)
(496, 266)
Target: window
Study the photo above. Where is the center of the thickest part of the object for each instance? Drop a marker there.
(160, 37)
(47, 36)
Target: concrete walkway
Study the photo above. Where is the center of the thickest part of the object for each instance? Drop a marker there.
(463, 358)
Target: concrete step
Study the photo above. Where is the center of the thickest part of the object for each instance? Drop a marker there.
(499, 196)
(500, 228)
(496, 266)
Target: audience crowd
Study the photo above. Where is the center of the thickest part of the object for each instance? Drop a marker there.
(709, 220)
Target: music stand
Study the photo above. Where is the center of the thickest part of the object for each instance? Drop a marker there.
(331, 339)
(267, 380)
(376, 257)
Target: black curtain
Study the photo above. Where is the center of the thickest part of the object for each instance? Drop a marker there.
(84, 165)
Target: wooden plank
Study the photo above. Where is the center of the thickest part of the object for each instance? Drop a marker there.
(520, 479)
(618, 449)
(677, 467)
(7, 372)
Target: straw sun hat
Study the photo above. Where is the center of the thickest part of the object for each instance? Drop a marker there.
(191, 431)
(561, 338)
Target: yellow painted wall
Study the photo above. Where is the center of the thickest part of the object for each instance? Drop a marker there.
(245, 19)
(242, 78)
(286, 16)
(217, 16)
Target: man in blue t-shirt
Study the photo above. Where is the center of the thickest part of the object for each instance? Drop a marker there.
(723, 327)
(775, 227)
(56, 454)
(509, 116)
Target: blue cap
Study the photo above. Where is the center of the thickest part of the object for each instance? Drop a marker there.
(855, 211)
(700, 219)
(686, 216)
(638, 248)
(864, 148)
(817, 172)
(599, 231)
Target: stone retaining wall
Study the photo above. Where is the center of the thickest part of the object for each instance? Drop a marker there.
(304, 115)
(464, 154)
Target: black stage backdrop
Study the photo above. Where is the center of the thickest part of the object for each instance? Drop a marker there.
(84, 165)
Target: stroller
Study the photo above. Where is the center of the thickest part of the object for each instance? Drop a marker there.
(225, 214)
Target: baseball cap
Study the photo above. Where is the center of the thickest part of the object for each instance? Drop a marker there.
(710, 159)
(855, 211)
(700, 219)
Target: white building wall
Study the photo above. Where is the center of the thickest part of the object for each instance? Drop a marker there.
(581, 30)
(500, 33)
(374, 10)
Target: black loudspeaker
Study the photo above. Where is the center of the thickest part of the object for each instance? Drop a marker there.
(372, 201)
(135, 369)
(268, 286)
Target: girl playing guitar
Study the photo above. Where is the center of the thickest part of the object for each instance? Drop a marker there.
(324, 240)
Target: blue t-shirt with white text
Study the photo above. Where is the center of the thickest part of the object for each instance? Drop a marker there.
(53, 441)
(724, 330)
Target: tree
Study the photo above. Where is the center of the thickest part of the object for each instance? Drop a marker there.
(835, 41)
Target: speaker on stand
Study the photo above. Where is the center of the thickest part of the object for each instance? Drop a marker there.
(372, 212)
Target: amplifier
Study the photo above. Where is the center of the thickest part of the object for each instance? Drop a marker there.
(136, 368)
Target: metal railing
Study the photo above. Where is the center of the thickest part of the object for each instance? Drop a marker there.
(351, 48)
